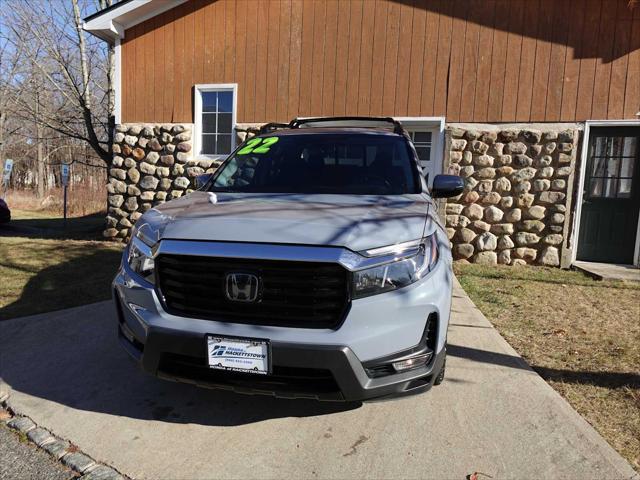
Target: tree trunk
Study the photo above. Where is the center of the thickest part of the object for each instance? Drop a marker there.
(40, 173)
(40, 162)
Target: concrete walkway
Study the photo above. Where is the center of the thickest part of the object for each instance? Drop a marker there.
(609, 271)
(493, 414)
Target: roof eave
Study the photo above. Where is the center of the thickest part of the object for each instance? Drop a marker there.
(111, 23)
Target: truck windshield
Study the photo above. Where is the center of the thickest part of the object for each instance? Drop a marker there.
(360, 164)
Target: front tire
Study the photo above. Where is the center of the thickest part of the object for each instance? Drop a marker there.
(440, 378)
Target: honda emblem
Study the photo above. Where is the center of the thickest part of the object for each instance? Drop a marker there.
(242, 287)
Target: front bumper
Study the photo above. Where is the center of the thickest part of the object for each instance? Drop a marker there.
(323, 372)
(307, 363)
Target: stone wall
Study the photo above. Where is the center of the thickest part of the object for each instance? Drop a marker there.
(153, 164)
(518, 180)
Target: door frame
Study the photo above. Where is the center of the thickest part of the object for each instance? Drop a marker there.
(437, 124)
(575, 231)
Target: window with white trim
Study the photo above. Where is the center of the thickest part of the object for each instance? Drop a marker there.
(215, 118)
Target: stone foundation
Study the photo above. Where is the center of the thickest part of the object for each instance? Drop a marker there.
(153, 164)
(518, 180)
(514, 209)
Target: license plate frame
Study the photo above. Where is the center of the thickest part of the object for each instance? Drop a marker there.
(219, 358)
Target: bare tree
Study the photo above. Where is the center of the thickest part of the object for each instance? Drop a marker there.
(10, 91)
(77, 71)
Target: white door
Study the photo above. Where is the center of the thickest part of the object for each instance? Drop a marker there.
(427, 136)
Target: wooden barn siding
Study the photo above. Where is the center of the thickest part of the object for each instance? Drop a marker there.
(468, 60)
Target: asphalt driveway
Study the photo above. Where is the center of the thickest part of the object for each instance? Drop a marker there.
(493, 414)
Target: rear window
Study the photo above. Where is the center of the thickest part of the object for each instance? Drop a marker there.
(358, 164)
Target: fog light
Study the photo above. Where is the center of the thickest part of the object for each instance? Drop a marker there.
(413, 362)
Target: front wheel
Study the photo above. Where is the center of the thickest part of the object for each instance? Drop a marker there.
(440, 378)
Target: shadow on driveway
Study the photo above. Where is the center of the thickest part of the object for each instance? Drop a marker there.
(73, 358)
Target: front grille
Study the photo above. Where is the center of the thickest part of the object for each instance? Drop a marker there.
(293, 381)
(293, 294)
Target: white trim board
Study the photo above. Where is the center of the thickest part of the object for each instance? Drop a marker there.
(117, 81)
(575, 230)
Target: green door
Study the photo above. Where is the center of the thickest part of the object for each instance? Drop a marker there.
(611, 197)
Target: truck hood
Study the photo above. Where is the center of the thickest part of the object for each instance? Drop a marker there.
(357, 222)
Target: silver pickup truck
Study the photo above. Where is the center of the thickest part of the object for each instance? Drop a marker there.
(312, 264)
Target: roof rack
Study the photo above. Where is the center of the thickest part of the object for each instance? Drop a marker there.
(326, 122)
(270, 127)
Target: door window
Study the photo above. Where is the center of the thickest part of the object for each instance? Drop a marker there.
(612, 164)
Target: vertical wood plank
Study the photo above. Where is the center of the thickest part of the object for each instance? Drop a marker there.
(241, 59)
(158, 66)
(140, 90)
(572, 62)
(416, 55)
(379, 49)
(146, 92)
(514, 48)
(498, 61)
(295, 59)
(432, 63)
(541, 65)
(229, 40)
(283, 61)
(319, 15)
(271, 53)
(603, 64)
(442, 64)
(178, 62)
(404, 58)
(458, 62)
(219, 8)
(632, 89)
(306, 56)
(485, 51)
(620, 62)
(207, 46)
(558, 55)
(391, 59)
(262, 12)
(189, 52)
(138, 80)
(367, 57)
(199, 45)
(329, 67)
(353, 70)
(169, 38)
(588, 60)
(250, 66)
(527, 60)
(342, 59)
(471, 31)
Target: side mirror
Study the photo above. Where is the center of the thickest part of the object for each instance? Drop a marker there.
(445, 186)
(202, 180)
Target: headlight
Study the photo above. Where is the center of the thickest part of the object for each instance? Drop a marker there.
(140, 257)
(397, 274)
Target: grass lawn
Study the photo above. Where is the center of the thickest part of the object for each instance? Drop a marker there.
(581, 335)
(44, 268)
